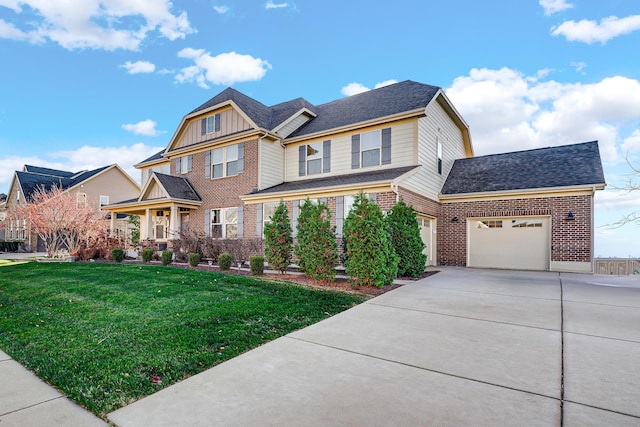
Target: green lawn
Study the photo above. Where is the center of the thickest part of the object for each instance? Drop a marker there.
(101, 333)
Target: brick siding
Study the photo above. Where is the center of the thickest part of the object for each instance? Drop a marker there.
(570, 239)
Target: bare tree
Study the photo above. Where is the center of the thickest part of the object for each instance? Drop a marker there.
(631, 186)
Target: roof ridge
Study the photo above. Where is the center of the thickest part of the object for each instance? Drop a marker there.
(532, 149)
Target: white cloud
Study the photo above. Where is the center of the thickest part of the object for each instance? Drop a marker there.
(579, 66)
(631, 144)
(84, 158)
(588, 31)
(355, 88)
(223, 69)
(509, 111)
(271, 5)
(221, 9)
(144, 127)
(554, 6)
(95, 24)
(139, 67)
(615, 200)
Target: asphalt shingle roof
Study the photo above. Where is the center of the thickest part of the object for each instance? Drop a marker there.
(32, 180)
(385, 101)
(156, 156)
(178, 187)
(339, 180)
(563, 166)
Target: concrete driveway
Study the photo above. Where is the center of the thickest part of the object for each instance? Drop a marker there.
(462, 347)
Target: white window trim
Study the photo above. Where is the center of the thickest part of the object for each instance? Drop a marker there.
(318, 156)
(378, 148)
(225, 162)
(211, 124)
(224, 212)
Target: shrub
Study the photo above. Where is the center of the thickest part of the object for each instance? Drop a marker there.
(224, 261)
(256, 262)
(194, 259)
(147, 254)
(278, 241)
(371, 259)
(117, 254)
(167, 257)
(405, 239)
(316, 248)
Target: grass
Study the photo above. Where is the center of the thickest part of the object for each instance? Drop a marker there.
(104, 334)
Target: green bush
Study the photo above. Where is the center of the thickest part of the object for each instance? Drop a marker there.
(277, 239)
(147, 255)
(371, 259)
(194, 259)
(406, 240)
(224, 261)
(117, 255)
(256, 262)
(167, 257)
(316, 249)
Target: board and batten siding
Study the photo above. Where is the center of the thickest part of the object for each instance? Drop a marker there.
(154, 192)
(436, 126)
(402, 152)
(271, 164)
(230, 122)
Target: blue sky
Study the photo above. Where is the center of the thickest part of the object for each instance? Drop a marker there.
(94, 82)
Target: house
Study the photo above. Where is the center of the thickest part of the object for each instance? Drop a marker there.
(101, 186)
(233, 159)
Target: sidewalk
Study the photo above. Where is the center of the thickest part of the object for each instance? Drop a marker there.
(26, 401)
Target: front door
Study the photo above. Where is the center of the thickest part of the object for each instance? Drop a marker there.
(184, 223)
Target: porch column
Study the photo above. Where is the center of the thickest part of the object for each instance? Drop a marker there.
(148, 225)
(112, 224)
(174, 224)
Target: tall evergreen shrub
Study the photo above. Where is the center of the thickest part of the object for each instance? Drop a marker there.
(371, 260)
(406, 240)
(316, 247)
(277, 239)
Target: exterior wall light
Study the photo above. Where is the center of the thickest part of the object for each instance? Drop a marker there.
(454, 219)
(570, 216)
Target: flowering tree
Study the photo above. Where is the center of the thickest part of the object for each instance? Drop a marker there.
(59, 221)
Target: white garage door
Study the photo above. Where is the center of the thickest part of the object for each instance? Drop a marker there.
(511, 243)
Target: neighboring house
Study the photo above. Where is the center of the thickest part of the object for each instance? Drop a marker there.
(232, 160)
(101, 186)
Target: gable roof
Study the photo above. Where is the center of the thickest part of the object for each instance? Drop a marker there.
(177, 187)
(563, 166)
(379, 175)
(32, 178)
(382, 102)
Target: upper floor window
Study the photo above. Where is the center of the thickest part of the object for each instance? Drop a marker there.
(224, 161)
(439, 154)
(371, 148)
(314, 158)
(184, 164)
(104, 200)
(17, 195)
(210, 124)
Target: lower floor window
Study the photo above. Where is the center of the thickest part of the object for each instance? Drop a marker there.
(224, 223)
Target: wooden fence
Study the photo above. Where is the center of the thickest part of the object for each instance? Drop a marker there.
(617, 266)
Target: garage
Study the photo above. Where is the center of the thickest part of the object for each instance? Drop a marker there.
(520, 243)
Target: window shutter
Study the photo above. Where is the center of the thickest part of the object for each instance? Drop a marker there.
(203, 126)
(189, 162)
(355, 151)
(386, 146)
(326, 156)
(207, 222)
(241, 157)
(240, 221)
(296, 214)
(207, 164)
(339, 215)
(259, 220)
(302, 160)
(178, 165)
(217, 122)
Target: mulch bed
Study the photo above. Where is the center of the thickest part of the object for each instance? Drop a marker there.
(340, 283)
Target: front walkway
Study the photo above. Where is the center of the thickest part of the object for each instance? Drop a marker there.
(463, 347)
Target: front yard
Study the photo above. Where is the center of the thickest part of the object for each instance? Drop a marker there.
(109, 334)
